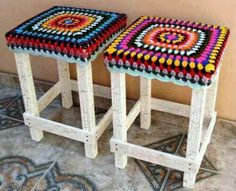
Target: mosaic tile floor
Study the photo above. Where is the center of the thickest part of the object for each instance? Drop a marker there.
(20, 173)
(164, 179)
(11, 109)
(57, 163)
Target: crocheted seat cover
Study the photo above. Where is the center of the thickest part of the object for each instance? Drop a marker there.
(72, 34)
(186, 53)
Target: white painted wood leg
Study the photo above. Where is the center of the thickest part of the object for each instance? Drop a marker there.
(211, 97)
(65, 85)
(28, 90)
(119, 115)
(194, 133)
(86, 96)
(145, 96)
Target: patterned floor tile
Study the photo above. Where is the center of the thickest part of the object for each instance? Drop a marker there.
(11, 112)
(5, 101)
(6, 123)
(166, 179)
(20, 173)
(16, 108)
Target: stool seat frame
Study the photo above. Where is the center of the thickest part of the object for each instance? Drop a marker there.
(90, 132)
(202, 118)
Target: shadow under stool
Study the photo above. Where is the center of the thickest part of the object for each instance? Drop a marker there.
(184, 53)
(70, 35)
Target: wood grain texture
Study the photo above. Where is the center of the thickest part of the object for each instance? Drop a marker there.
(65, 86)
(170, 107)
(49, 96)
(119, 114)
(153, 156)
(211, 98)
(194, 132)
(28, 90)
(104, 123)
(134, 112)
(145, 97)
(99, 90)
(206, 138)
(85, 87)
(58, 128)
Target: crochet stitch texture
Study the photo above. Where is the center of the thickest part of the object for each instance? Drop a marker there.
(183, 52)
(68, 33)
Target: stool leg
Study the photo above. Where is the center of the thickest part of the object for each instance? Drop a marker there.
(119, 114)
(85, 86)
(211, 97)
(145, 95)
(64, 78)
(28, 90)
(194, 132)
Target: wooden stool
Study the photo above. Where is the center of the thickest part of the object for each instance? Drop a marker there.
(185, 53)
(70, 35)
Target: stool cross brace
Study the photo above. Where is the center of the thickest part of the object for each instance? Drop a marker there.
(202, 117)
(90, 132)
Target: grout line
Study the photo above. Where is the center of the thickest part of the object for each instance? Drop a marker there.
(12, 118)
(209, 170)
(15, 99)
(51, 166)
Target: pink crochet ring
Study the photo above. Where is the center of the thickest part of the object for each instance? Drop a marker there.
(186, 53)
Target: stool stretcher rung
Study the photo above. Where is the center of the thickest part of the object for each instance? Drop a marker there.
(100, 91)
(170, 107)
(134, 112)
(57, 128)
(153, 156)
(104, 123)
(49, 96)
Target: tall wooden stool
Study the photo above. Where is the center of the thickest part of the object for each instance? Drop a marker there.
(185, 53)
(70, 35)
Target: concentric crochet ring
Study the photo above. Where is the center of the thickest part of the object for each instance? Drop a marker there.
(183, 52)
(72, 34)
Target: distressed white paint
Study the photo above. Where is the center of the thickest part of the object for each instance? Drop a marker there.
(206, 138)
(90, 132)
(211, 97)
(206, 123)
(28, 90)
(58, 128)
(119, 114)
(171, 107)
(65, 86)
(145, 97)
(134, 112)
(194, 132)
(153, 156)
(100, 91)
(104, 123)
(49, 96)
(85, 87)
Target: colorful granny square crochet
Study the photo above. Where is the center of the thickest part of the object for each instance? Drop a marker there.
(72, 34)
(186, 53)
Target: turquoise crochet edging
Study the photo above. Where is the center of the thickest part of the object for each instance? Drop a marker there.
(179, 82)
(65, 57)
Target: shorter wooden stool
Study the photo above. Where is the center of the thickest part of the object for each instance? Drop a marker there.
(70, 35)
(185, 53)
